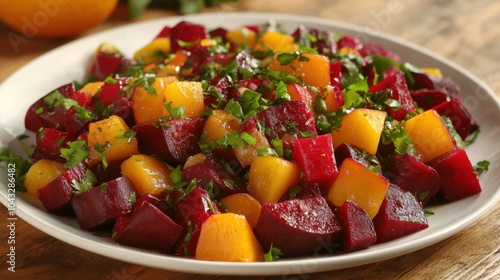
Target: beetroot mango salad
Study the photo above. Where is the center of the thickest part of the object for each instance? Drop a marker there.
(250, 144)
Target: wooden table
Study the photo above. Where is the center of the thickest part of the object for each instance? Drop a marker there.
(466, 32)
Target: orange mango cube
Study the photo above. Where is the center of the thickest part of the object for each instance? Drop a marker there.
(185, 94)
(242, 36)
(149, 53)
(270, 178)
(243, 204)
(276, 41)
(429, 135)
(219, 124)
(312, 69)
(359, 184)
(148, 106)
(228, 237)
(248, 153)
(109, 137)
(149, 175)
(361, 128)
(40, 174)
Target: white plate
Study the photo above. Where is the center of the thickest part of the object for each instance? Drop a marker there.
(65, 64)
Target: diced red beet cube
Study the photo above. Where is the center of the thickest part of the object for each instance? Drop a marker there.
(349, 42)
(148, 228)
(108, 64)
(212, 171)
(359, 232)
(399, 215)
(426, 99)
(286, 118)
(172, 141)
(314, 155)
(111, 172)
(458, 115)
(190, 211)
(57, 195)
(345, 150)
(298, 226)
(372, 48)
(41, 114)
(414, 176)
(73, 122)
(398, 87)
(458, 178)
(187, 33)
(324, 41)
(49, 142)
(104, 204)
(161, 204)
(336, 75)
(164, 32)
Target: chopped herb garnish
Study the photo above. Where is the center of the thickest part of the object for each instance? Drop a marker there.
(76, 152)
(85, 184)
(273, 254)
(481, 167)
(129, 135)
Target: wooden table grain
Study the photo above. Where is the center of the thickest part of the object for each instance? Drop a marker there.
(466, 32)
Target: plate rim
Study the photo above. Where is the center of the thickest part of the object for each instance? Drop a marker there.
(210, 267)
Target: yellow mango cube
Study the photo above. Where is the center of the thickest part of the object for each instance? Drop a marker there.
(150, 52)
(219, 124)
(92, 88)
(361, 128)
(148, 106)
(185, 95)
(40, 174)
(312, 69)
(429, 135)
(242, 36)
(248, 153)
(276, 41)
(228, 237)
(270, 178)
(359, 184)
(109, 137)
(149, 175)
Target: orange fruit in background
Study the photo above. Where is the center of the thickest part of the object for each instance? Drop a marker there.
(54, 18)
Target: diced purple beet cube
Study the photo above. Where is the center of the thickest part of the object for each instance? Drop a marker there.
(315, 158)
(57, 195)
(172, 141)
(372, 48)
(104, 204)
(147, 228)
(414, 176)
(399, 92)
(212, 171)
(399, 215)
(359, 232)
(349, 42)
(458, 116)
(49, 142)
(426, 99)
(186, 32)
(345, 150)
(41, 114)
(111, 172)
(298, 226)
(458, 178)
(108, 64)
(286, 118)
(190, 211)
